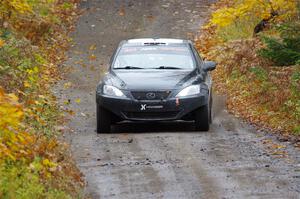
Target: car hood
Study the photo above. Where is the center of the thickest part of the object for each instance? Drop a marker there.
(152, 79)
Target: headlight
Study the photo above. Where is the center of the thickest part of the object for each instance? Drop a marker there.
(190, 90)
(112, 91)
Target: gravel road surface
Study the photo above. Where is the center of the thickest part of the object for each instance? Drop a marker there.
(163, 160)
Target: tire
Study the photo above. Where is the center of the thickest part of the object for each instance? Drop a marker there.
(202, 118)
(210, 108)
(103, 120)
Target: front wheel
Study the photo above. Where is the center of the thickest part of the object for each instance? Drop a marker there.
(202, 118)
(210, 108)
(103, 120)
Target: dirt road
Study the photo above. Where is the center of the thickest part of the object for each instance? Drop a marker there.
(165, 160)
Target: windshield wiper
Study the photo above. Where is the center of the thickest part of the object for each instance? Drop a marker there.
(167, 67)
(129, 67)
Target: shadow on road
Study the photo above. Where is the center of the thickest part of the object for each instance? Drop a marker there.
(142, 127)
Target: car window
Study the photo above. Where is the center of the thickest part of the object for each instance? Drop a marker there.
(198, 57)
(155, 56)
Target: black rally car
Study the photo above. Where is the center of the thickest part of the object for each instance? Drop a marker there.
(155, 80)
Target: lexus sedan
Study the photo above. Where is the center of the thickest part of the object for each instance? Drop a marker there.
(155, 80)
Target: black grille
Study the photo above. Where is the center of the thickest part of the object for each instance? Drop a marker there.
(151, 115)
(150, 95)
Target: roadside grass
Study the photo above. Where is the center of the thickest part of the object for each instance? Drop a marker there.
(33, 39)
(260, 91)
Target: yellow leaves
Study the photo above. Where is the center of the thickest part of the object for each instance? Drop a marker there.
(20, 6)
(93, 47)
(27, 84)
(48, 163)
(77, 100)
(223, 17)
(11, 112)
(92, 57)
(44, 166)
(67, 85)
(70, 112)
(15, 144)
(278, 150)
(42, 96)
(67, 102)
(247, 9)
(34, 70)
(16, 6)
(2, 42)
(13, 98)
(264, 15)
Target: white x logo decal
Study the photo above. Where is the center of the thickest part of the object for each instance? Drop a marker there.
(143, 107)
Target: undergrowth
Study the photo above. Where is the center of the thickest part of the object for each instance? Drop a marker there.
(259, 73)
(33, 39)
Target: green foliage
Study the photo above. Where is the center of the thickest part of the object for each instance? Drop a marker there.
(18, 64)
(260, 73)
(283, 51)
(295, 101)
(266, 96)
(295, 84)
(238, 30)
(21, 182)
(67, 5)
(32, 161)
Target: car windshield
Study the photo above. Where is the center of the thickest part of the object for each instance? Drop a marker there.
(154, 57)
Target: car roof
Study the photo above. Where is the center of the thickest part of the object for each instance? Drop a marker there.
(154, 41)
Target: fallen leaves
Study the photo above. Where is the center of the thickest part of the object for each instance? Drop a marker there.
(93, 47)
(29, 114)
(67, 102)
(263, 91)
(165, 6)
(67, 85)
(150, 17)
(83, 114)
(275, 149)
(122, 11)
(11, 112)
(70, 112)
(92, 57)
(78, 100)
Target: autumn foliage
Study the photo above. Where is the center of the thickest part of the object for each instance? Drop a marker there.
(257, 89)
(234, 19)
(33, 163)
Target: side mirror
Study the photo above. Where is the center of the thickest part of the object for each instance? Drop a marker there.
(209, 66)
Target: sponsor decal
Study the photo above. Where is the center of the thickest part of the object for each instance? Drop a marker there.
(177, 102)
(145, 106)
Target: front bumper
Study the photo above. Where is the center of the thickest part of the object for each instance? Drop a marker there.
(155, 110)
